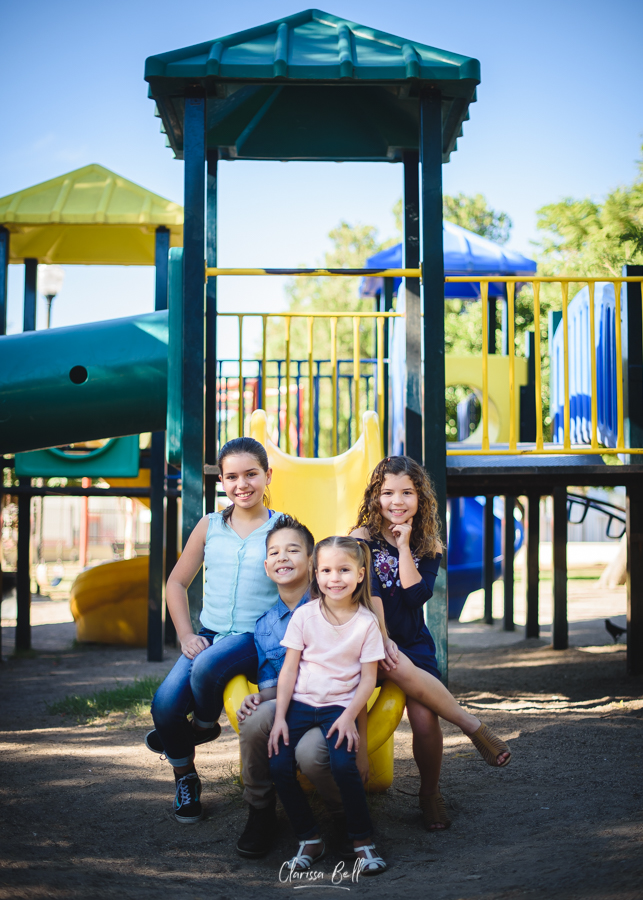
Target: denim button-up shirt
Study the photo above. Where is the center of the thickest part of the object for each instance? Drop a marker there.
(269, 632)
(237, 590)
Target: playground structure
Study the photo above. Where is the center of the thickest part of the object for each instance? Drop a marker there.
(236, 98)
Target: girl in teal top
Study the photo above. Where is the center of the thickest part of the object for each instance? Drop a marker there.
(232, 544)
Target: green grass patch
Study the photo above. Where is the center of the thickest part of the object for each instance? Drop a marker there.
(133, 699)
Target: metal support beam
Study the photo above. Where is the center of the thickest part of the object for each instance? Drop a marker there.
(386, 305)
(23, 575)
(487, 559)
(413, 321)
(508, 553)
(4, 278)
(436, 612)
(31, 286)
(632, 345)
(560, 640)
(156, 582)
(171, 552)
(192, 400)
(493, 324)
(634, 527)
(211, 332)
(532, 548)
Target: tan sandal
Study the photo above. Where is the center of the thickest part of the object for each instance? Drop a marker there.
(489, 746)
(434, 812)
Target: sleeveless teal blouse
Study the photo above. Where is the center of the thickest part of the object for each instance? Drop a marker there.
(237, 590)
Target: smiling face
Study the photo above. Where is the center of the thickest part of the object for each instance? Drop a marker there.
(287, 561)
(338, 574)
(244, 481)
(398, 499)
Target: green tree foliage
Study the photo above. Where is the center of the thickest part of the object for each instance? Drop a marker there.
(475, 214)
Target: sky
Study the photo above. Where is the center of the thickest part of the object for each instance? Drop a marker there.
(559, 114)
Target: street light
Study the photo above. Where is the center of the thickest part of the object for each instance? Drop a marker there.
(50, 281)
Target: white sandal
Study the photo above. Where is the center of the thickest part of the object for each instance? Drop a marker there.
(372, 864)
(302, 861)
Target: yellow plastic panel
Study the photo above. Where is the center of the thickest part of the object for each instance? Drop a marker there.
(468, 370)
(324, 494)
(109, 602)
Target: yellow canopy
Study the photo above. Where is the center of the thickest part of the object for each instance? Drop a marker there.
(90, 216)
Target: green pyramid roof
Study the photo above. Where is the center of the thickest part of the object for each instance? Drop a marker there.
(273, 90)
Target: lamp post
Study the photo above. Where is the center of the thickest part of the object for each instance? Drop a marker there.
(50, 281)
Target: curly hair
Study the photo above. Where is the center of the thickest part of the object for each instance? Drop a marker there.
(425, 532)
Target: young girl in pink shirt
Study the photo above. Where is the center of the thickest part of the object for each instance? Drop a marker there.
(334, 645)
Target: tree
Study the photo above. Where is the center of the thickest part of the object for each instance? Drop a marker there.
(475, 214)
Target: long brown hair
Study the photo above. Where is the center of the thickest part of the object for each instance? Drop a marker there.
(236, 447)
(425, 531)
(360, 554)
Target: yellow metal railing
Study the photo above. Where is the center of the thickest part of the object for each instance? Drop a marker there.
(358, 318)
(540, 447)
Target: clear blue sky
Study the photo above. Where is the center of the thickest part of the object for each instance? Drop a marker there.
(559, 113)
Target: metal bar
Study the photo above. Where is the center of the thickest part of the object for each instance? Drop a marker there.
(433, 406)
(557, 450)
(264, 359)
(241, 398)
(508, 553)
(536, 279)
(387, 301)
(634, 530)
(333, 364)
(311, 390)
(4, 277)
(564, 287)
(31, 286)
(532, 535)
(633, 361)
(620, 434)
(171, 554)
(320, 315)
(23, 575)
(413, 308)
(192, 456)
(511, 347)
(214, 272)
(380, 376)
(592, 358)
(356, 376)
(156, 580)
(484, 292)
(538, 373)
(17, 490)
(287, 426)
(560, 640)
(487, 563)
(211, 431)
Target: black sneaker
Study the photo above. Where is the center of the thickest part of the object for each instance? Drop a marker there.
(343, 844)
(201, 736)
(187, 803)
(259, 832)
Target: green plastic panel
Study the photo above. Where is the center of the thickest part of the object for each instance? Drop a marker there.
(118, 458)
(175, 356)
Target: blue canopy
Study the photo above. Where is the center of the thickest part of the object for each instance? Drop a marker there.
(465, 253)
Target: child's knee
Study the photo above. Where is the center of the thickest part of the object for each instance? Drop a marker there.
(282, 765)
(312, 751)
(257, 726)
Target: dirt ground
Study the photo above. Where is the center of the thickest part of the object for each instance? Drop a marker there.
(86, 809)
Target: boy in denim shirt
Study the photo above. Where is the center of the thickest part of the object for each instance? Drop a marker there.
(289, 548)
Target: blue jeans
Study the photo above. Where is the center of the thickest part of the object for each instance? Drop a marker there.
(300, 718)
(196, 685)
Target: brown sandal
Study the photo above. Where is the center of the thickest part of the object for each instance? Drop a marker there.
(434, 812)
(489, 746)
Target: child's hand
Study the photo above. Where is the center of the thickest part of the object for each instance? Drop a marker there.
(402, 533)
(362, 762)
(345, 728)
(193, 644)
(391, 656)
(248, 706)
(279, 730)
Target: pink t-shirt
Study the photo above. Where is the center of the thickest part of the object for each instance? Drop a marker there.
(332, 655)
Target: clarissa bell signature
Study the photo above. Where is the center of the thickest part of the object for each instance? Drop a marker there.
(338, 877)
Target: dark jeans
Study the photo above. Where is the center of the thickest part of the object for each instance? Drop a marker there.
(301, 718)
(196, 685)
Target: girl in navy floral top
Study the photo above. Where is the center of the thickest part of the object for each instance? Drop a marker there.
(399, 520)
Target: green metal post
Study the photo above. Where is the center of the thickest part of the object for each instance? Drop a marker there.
(23, 573)
(634, 521)
(4, 277)
(508, 554)
(532, 550)
(211, 332)
(559, 628)
(171, 550)
(192, 451)
(436, 611)
(156, 582)
(487, 561)
(31, 279)
(413, 318)
(386, 305)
